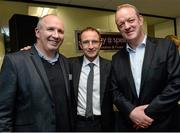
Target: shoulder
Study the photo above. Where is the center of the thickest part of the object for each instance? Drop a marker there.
(62, 56)
(121, 52)
(103, 60)
(16, 60)
(75, 59)
(105, 64)
(163, 46)
(160, 42)
(20, 55)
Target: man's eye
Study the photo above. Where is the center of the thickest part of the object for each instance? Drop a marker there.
(60, 31)
(94, 41)
(85, 42)
(121, 25)
(50, 29)
(131, 20)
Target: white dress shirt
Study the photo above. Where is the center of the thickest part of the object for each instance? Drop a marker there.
(82, 89)
(136, 58)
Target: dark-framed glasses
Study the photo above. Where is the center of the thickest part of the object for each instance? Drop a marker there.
(93, 42)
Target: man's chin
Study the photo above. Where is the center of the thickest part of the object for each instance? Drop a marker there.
(53, 48)
(131, 37)
(93, 56)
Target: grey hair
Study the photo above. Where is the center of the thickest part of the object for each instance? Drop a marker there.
(39, 24)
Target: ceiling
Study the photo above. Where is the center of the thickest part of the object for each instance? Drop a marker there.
(167, 8)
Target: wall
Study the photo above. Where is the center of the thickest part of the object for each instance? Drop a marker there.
(77, 19)
(6, 11)
(164, 29)
(178, 30)
(2, 51)
(178, 27)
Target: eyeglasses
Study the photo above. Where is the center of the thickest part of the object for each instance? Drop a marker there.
(93, 42)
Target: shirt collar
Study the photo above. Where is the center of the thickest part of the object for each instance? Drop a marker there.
(143, 43)
(52, 60)
(95, 61)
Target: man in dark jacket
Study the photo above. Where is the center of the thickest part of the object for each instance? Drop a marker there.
(145, 76)
(101, 118)
(34, 84)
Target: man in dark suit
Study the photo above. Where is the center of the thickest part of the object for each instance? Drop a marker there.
(145, 76)
(34, 84)
(102, 107)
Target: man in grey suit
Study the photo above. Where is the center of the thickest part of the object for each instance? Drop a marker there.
(102, 107)
(34, 84)
(145, 77)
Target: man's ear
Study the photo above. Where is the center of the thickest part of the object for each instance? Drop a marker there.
(80, 44)
(100, 42)
(141, 19)
(37, 32)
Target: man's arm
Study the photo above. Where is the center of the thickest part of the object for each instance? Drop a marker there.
(7, 94)
(26, 48)
(170, 95)
(119, 100)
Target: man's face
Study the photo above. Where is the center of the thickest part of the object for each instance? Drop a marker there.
(129, 23)
(90, 44)
(50, 34)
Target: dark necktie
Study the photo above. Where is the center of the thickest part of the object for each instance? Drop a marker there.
(89, 109)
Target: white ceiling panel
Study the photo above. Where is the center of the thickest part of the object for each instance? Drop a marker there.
(167, 8)
(90, 3)
(54, 1)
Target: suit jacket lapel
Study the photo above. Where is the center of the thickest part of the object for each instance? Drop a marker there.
(103, 78)
(41, 71)
(149, 52)
(126, 64)
(65, 76)
(76, 72)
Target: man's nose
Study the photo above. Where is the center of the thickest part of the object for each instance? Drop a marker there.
(90, 45)
(126, 25)
(56, 34)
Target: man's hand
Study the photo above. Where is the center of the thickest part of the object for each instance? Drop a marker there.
(139, 118)
(26, 48)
